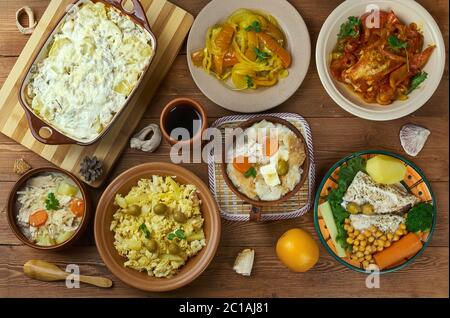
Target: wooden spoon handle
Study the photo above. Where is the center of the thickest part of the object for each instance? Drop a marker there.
(96, 281)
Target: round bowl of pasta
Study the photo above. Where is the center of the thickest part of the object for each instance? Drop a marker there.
(380, 60)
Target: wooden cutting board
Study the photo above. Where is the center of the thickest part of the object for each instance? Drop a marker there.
(170, 25)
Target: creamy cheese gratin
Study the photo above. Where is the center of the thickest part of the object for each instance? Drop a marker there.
(93, 64)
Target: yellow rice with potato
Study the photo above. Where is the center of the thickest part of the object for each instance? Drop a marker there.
(158, 226)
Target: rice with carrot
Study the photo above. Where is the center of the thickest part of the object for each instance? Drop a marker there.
(51, 209)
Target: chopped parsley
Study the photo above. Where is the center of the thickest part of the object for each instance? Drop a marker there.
(395, 43)
(350, 28)
(260, 54)
(249, 81)
(255, 26)
(417, 80)
(51, 203)
(346, 175)
(177, 234)
(145, 230)
(250, 173)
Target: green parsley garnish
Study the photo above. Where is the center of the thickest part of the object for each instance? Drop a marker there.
(255, 26)
(260, 54)
(395, 43)
(171, 236)
(350, 28)
(250, 173)
(51, 203)
(180, 234)
(145, 230)
(417, 80)
(177, 234)
(420, 218)
(249, 81)
(346, 175)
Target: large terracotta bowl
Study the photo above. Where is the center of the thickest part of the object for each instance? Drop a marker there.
(255, 212)
(104, 237)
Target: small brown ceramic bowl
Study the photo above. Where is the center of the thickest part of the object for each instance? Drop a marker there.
(13, 208)
(183, 102)
(255, 212)
(104, 237)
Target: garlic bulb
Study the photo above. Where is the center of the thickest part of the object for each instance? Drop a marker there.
(413, 138)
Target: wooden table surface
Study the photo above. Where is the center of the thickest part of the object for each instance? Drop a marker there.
(336, 133)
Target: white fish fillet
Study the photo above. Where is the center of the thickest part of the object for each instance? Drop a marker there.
(383, 198)
(384, 222)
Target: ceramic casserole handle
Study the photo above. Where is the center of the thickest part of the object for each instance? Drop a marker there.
(137, 11)
(44, 132)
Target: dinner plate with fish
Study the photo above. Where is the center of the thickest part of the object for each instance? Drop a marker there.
(375, 210)
(248, 56)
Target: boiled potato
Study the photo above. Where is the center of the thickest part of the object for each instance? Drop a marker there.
(385, 169)
(64, 236)
(67, 189)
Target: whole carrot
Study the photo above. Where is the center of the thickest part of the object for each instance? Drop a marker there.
(406, 247)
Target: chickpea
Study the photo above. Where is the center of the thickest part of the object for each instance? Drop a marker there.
(353, 257)
(371, 239)
(387, 244)
(378, 234)
(380, 248)
(359, 254)
(405, 232)
(361, 259)
(368, 252)
(363, 243)
(352, 235)
(390, 236)
(350, 229)
(365, 264)
(399, 232)
(372, 229)
(367, 233)
(346, 227)
(350, 240)
(347, 221)
(356, 243)
(355, 249)
(368, 257)
(383, 238)
(395, 238)
(402, 226)
(360, 237)
(357, 232)
(361, 248)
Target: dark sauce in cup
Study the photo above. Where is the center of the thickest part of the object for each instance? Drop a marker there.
(183, 116)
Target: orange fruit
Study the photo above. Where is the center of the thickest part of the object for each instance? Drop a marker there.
(297, 250)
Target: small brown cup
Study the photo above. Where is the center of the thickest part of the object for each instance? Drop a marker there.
(183, 102)
(13, 209)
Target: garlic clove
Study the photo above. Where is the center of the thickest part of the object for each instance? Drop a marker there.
(413, 138)
(244, 262)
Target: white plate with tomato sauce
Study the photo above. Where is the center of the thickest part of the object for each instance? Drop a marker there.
(261, 98)
(408, 11)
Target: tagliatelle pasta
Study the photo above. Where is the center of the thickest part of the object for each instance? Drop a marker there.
(249, 48)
